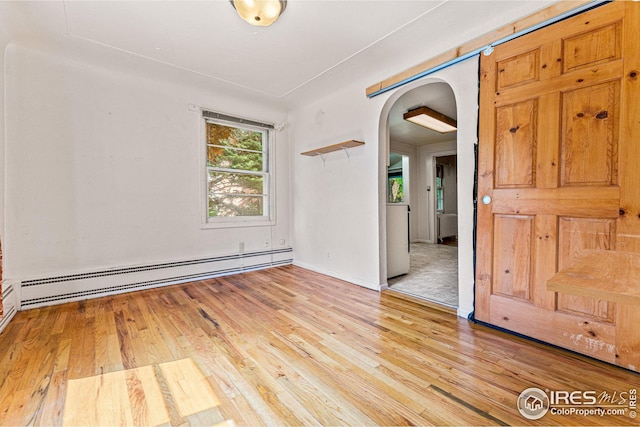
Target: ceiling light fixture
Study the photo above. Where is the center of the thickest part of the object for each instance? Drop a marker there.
(426, 117)
(261, 13)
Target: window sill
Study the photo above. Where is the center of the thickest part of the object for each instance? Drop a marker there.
(237, 223)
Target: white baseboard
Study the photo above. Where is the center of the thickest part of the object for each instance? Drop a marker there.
(346, 278)
(464, 312)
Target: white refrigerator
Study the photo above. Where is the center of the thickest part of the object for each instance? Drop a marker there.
(397, 239)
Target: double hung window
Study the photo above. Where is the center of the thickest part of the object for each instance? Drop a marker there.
(237, 167)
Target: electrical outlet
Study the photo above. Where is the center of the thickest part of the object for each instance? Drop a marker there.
(282, 242)
(267, 243)
(241, 246)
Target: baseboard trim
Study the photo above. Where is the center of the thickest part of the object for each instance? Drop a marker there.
(355, 281)
(464, 312)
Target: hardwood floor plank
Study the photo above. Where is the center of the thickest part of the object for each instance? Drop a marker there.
(260, 407)
(127, 350)
(339, 372)
(60, 320)
(236, 407)
(316, 393)
(287, 346)
(143, 391)
(277, 369)
(50, 413)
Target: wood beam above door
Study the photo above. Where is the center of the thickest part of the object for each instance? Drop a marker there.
(487, 39)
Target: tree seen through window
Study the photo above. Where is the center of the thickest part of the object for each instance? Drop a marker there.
(236, 171)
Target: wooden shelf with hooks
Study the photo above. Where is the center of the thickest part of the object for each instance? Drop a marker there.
(335, 147)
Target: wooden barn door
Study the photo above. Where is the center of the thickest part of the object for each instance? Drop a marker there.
(558, 175)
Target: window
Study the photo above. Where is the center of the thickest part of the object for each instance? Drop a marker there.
(440, 188)
(237, 168)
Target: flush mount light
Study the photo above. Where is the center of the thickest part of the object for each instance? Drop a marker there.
(261, 13)
(426, 117)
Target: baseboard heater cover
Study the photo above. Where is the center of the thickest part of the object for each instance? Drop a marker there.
(8, 299)
(6, 292)
(73, 287)
(6, 318)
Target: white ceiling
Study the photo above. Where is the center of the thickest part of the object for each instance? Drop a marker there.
(437, 96)
(209, 37)
(315, 46)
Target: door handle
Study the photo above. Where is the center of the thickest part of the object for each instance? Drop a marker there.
(486, 200)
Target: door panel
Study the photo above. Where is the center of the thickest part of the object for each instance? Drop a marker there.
(579, 334)
(516, 145)
(519, 69)
(592, 47)
(590, 135)
(513, 246)
(556, 150)
(576, 235)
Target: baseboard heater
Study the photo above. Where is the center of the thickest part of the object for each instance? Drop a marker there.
(6, 317)
(9, 308)
(447, 226)
(74, 287)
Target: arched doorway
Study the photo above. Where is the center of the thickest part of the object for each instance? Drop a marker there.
(461, 80)
(422, 198)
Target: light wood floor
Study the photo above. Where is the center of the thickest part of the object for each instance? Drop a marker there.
(286, 346)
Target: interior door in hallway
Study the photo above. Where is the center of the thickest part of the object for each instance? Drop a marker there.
(556, 170)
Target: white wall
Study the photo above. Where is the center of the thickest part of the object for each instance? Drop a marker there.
(339, 207)
(4, 41)
(103, 169)
(336, 208)
(9, 300)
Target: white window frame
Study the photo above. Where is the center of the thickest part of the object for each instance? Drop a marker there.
(268, 217)
(441, 187)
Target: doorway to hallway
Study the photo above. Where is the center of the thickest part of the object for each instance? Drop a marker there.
(423, 260)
